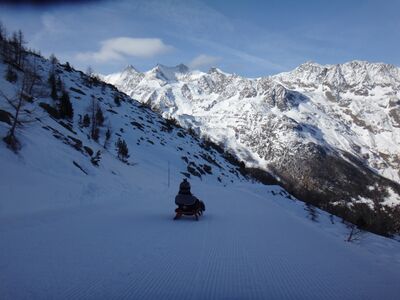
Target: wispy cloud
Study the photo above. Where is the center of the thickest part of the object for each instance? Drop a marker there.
(124, 47)
(50, 27)
(190, 17)
(203, 60)
(231, 52)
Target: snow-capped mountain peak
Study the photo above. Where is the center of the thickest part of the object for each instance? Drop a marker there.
(294, 124)
(343, 76)
(130, 69)
(168, 74)
(215, 70)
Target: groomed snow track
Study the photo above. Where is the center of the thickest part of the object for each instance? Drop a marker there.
(244, 247)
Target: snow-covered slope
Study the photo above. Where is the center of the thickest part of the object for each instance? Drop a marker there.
(363, 96)
(329, 133)
(151, 139)
(72, 230)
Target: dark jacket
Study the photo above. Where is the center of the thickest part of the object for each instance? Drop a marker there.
(184, 196)
(185, 199)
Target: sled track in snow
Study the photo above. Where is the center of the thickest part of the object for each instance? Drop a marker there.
(134, 250)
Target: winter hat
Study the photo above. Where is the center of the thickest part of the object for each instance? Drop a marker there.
(184, 186)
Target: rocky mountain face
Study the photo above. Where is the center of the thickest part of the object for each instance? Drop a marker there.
(330, 134)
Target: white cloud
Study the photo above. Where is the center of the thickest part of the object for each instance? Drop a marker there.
(121, 47)
(244, 56)
(203, 60)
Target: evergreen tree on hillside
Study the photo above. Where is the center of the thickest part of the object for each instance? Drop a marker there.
(3, 32)
(108, 136)
(5, 45)
(52, 83)
(89, 76)
(53, 60)
(59, 83)
(65, 109)
(17, 43)
(96, 117)
(67, 67)
(117, 100)
(96, 134)
(122, 150)
(86, 121)
(94, 130)
(99, 116)
(11, 75)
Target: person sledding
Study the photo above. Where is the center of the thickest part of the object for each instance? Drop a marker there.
(187, 203)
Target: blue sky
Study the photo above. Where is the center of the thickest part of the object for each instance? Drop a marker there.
(250, 38)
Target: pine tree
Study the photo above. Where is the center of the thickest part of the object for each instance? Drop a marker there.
(122, 150)
(11, 75)
(59, 83)
(96, 134)
(99, 116)
(21, 48)
(5, 45)
(17, 42)
(52, 83)
(86, 121)
(53, 60)
(108, 136)
(3, 32)
(89, 76)
(117, 100)
(68, 67)
(66, 110)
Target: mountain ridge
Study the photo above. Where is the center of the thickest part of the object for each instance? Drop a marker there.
(310, 123)
(276, 86)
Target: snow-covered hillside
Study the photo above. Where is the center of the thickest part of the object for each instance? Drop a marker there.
(330, 134)
(362, 96)
(76, 222)
(151, 140)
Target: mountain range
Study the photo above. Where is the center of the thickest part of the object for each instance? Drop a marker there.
(328, 133)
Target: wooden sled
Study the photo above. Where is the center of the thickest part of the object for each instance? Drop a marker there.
(192, 212)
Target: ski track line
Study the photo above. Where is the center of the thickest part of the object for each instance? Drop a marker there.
(159, 281)
(146, 283)
(227, 273)
(201, 261)
(86, 290)
(93, 287)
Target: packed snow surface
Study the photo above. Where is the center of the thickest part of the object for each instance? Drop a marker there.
(114, 238)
